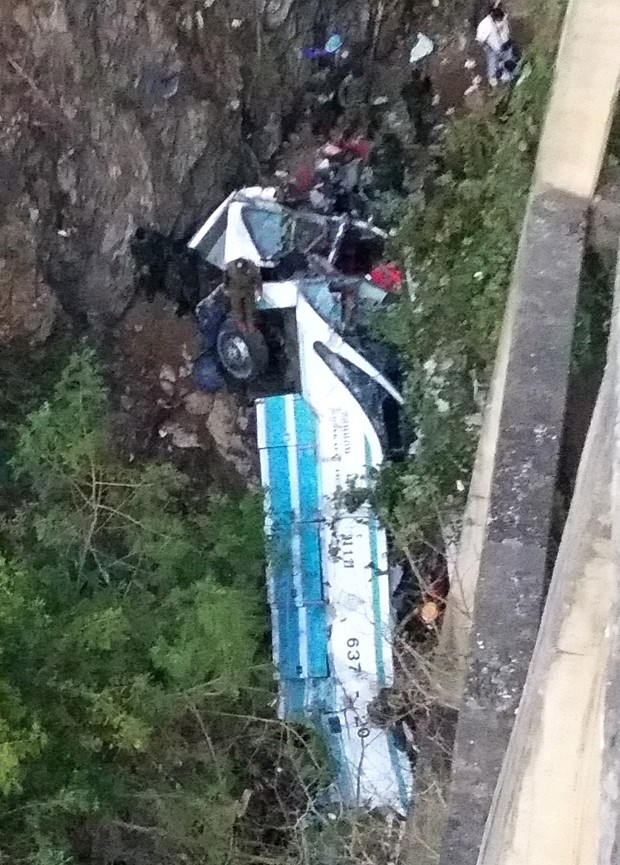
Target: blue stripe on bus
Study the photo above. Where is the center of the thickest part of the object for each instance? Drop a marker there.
(279, 475)
(323, 704)
(289, 665)
(307, 460)
(396, 761)
(309, 537)
(293, 692)
(305, 423)
(309, 527)
(281, 565)
(281, 552)
(308, 474)
(317, 635)
(316, 700)
(311, 571)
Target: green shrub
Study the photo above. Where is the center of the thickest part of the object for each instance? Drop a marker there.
(134, 669)
(459, 250)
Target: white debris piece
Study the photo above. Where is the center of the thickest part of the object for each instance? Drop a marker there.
(167, 373)
(475, 85)
(422, 48)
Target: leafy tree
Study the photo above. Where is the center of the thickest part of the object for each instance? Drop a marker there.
(132, 632)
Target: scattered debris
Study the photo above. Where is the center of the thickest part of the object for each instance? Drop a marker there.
(180, 437)
(167, 374)
(422, 48)
(198, 404)
(334, 44)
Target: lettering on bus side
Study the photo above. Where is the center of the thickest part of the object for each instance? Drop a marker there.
(341, 433)
(347, 549)
(360, 722)
(346, 434)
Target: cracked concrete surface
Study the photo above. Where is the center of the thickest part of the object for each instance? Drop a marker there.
(556, 800)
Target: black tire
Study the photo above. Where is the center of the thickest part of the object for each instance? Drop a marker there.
(207, 373)
(243, 354)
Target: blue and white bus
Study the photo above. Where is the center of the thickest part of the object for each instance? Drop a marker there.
(334, 418)
(329, 584)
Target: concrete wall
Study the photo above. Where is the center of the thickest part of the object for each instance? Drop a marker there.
(556, 799)
(511, 582)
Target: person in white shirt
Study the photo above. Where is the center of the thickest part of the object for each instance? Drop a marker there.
(493, 34)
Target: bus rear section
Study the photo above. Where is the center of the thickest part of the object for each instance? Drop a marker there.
(329, 590)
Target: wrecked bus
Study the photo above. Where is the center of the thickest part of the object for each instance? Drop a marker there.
(329, 585)
(328, 413)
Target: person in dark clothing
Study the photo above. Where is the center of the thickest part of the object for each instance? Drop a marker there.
(388, 161)
(353, 94)
(168, 266)
(242, 285)
(325, 110)
(182, 283)
(148, 250)
(417, 94)
(322, 95)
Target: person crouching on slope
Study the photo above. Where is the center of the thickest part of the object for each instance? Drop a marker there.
(493, 34)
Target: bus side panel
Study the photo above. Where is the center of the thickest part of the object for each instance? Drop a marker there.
(287, 444)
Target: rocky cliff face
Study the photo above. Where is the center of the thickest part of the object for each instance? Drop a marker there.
(119, 113)
(126, 112)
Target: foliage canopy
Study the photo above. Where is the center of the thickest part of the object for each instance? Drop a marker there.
(132, 632)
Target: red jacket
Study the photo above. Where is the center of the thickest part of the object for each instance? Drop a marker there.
(388, 276)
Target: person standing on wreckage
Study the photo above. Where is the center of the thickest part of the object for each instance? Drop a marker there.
(242, 287)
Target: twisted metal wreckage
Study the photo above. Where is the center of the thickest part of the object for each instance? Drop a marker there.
(288, 326)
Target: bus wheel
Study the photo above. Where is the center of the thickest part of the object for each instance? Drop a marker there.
(242, 353)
